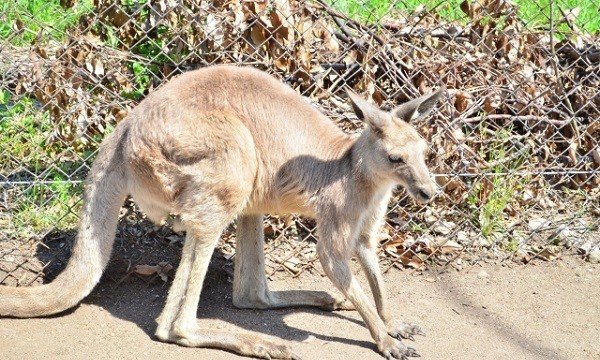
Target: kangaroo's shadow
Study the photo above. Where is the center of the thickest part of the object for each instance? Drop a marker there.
(140, 299)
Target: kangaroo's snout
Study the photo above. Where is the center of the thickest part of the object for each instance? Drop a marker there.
(425, 193)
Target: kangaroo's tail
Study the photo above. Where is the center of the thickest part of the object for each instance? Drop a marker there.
(104, 194)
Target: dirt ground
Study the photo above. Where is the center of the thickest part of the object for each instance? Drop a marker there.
(537, 311)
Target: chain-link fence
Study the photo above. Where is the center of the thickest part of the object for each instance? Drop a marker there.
(515, 142)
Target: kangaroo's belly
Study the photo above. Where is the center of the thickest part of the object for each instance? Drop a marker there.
(277, 203)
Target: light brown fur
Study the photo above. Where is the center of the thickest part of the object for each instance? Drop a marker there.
(225, 143)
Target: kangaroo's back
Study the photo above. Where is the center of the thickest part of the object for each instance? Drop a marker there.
(280, 120)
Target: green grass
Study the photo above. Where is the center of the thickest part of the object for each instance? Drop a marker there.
(24, 22)
(373, 11)
(22, 133)
(39, 208)
(38, 188)
(534, 14)
(537, 14)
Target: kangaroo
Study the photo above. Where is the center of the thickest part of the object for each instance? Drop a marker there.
(227, 143)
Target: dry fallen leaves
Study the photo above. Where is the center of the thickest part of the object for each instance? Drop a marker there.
(162, 269)
(502, 78)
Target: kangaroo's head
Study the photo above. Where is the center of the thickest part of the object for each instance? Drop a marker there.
(391, 148)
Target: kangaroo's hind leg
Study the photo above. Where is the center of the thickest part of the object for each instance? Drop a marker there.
(204, 218)
(250, 289)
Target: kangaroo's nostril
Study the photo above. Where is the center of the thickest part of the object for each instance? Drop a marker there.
(425, 195)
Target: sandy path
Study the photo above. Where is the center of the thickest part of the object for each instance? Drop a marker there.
(542, 311)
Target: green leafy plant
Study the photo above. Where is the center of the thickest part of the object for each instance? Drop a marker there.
(141, 77)
(491, 195)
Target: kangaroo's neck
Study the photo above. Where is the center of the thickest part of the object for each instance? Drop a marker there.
(368, 182)
(341, 166)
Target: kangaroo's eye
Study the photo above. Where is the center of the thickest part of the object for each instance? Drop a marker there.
(395, 159)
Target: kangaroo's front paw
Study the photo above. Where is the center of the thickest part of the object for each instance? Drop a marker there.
(400, 329)
(392, 348)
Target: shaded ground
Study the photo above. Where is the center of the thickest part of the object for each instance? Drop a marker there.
(539, 311)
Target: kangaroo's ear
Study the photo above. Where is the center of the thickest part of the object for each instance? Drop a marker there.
(368, 112)
(419, 107)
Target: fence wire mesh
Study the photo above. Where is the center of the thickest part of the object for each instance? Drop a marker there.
(515, 143)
